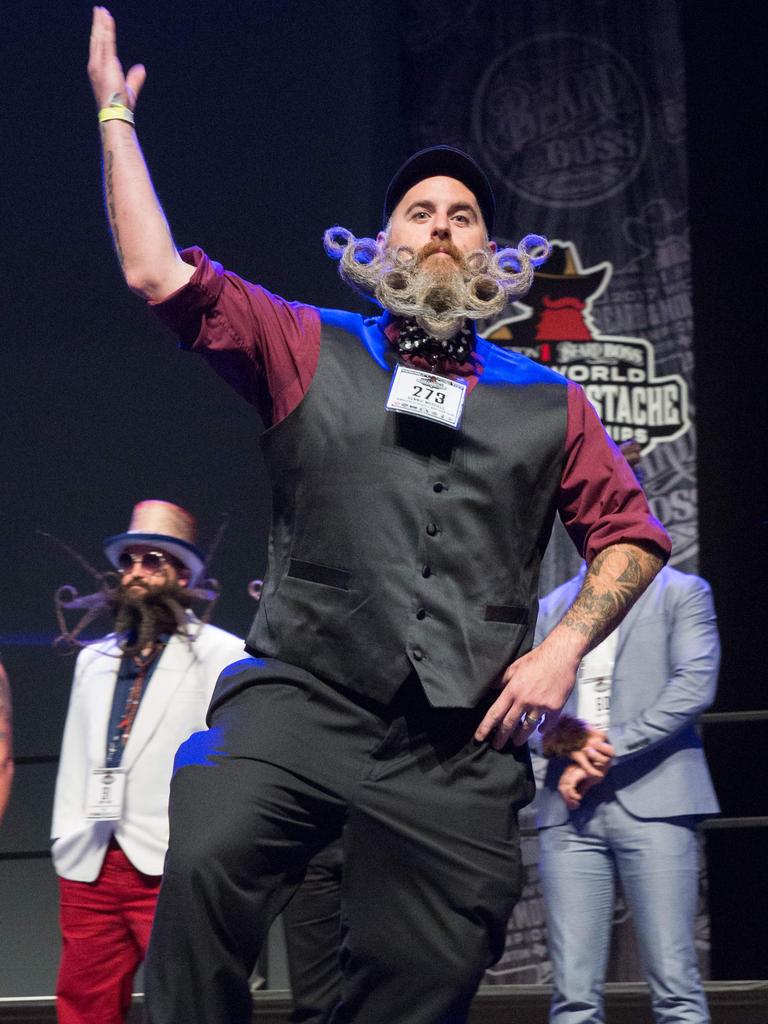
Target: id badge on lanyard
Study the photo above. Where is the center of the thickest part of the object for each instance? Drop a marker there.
(106, 794)
(428, 395)
(594, 701)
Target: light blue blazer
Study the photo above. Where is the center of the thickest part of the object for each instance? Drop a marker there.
(665, 675)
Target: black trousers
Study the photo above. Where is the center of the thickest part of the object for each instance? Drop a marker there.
(430, 842)
(312, 922)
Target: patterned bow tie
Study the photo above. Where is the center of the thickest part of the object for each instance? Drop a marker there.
(413, 340)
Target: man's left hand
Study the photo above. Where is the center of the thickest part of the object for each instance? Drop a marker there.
(595, 757)
(574, 783)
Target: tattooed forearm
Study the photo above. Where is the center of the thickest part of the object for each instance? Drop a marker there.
(109, 162)
(614, 581)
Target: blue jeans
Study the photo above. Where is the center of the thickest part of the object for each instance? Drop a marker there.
(657, 862)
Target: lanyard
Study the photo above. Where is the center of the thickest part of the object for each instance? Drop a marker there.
(121, 732)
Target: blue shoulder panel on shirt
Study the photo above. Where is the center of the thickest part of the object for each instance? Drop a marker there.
(201, 749)
(504, 366)
(500, 366)
(367, 329)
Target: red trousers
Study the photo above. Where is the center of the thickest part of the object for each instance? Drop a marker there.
(105, 928)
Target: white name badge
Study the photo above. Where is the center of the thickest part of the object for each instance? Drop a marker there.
(425, 394)
(594, 701)
(106, 793)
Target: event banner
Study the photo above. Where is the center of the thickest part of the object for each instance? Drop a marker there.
(576, 109)
(577, 112)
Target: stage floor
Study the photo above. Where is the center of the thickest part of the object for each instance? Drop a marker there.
(734, 1002)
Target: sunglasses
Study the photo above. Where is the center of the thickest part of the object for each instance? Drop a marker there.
(150, 561)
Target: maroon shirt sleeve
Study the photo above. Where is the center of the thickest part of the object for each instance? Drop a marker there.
(264, 347)
(601, 503)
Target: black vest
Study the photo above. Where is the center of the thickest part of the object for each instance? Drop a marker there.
(397, 543)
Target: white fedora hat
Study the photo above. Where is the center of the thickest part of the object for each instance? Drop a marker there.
(165, 526)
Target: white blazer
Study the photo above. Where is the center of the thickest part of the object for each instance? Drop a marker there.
(172, 708)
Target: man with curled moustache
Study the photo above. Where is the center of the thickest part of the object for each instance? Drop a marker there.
(391, 688)
(136, 695)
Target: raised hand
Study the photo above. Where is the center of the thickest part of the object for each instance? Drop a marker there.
(105, 71)
(143, 242)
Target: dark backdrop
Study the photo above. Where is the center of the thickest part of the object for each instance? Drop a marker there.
(264, 123)
(727, 145)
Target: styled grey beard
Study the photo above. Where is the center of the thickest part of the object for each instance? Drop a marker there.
(478, 284)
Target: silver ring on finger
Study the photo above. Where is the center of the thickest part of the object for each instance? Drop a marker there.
(533, 719)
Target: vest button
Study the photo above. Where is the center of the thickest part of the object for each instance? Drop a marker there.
(421, 613)
(426, 571)
(418, 654)
(431, 529)
(438, 487)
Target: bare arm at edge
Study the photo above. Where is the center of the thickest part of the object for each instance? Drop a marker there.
(143, 242)
(6, 742)
(543, 679)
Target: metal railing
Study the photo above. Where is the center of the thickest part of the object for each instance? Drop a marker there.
(707, 824)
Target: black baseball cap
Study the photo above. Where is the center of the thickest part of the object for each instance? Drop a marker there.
(445, 161)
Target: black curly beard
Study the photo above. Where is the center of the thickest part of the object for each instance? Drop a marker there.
(143, 613)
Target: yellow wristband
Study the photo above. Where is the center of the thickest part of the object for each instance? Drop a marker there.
(116, 112)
